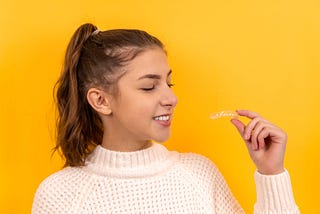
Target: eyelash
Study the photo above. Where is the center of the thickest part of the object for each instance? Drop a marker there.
(153, 87)
(148, 89)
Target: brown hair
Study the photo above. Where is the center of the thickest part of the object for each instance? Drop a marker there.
(93, 59)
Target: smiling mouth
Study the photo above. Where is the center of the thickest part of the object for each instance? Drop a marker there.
(162, 118)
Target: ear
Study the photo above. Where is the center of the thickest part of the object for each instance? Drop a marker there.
(98, 101)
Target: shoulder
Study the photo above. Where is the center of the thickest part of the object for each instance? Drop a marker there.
(60, 178)
(196, 160)
(201, 172)
(199, 165)
(56, 188)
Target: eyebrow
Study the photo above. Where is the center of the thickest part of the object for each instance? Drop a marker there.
(153, 76)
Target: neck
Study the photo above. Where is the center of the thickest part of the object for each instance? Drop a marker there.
(124, 145)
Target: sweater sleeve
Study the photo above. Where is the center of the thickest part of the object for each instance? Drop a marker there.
(213, 184)
(274, 194)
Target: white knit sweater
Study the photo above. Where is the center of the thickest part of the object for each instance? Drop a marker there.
(153, 180)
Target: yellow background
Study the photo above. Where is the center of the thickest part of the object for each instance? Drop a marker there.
(258, 55)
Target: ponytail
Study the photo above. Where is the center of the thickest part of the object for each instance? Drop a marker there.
(78, 126)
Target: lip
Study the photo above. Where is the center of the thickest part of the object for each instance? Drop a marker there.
(162, 122)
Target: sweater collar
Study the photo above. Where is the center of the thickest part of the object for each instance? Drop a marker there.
(149, 161)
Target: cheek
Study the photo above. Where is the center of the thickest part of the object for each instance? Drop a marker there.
(133, 101)
(144, 110)
(135, 107)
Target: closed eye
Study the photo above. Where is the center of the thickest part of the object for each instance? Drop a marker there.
(148, 89)
(153, 87)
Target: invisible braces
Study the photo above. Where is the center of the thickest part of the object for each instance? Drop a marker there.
(225, 113)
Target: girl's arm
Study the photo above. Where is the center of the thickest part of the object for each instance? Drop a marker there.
(266, 144)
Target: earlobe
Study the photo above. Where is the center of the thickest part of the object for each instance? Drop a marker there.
(99, 101)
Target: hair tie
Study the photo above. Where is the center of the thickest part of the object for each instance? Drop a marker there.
(95, 32)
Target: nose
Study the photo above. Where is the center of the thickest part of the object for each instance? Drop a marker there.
(169, 98)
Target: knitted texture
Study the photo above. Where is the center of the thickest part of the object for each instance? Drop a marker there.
(153, 180)
(274, 194)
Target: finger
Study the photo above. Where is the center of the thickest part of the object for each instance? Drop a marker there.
(256, 130)
(255, 124)
(262, 136)
(247, 113)
(253, 139)
(239, 125)
(248, 129)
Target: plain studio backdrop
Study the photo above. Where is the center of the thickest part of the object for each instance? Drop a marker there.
(225, 55)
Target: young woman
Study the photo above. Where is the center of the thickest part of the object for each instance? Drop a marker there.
(115, 101)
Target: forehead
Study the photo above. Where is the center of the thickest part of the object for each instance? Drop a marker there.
(150, 61)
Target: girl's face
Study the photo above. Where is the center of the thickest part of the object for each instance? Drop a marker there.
(143, 109)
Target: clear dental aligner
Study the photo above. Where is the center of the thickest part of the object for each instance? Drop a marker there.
(225, 113)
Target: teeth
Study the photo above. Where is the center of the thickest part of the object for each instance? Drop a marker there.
(164, 118)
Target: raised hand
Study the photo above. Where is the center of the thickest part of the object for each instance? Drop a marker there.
(266, 142)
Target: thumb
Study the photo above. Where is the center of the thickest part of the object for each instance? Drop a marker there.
(241, 127)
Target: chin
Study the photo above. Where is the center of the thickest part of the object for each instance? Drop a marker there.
(161, 139)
